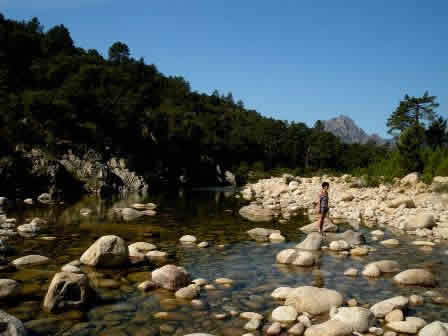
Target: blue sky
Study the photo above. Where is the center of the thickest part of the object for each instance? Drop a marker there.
(290, 59)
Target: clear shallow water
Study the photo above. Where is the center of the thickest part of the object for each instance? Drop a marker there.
(212, 216)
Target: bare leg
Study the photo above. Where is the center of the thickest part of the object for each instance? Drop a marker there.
(321, 222)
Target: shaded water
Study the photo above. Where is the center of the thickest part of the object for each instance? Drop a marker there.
(212, 216)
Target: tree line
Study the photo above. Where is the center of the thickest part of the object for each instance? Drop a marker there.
(54, 95)
(421, 139)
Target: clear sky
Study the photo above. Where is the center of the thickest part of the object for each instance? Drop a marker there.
(298, 60)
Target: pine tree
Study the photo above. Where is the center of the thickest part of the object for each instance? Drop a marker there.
(412, 112)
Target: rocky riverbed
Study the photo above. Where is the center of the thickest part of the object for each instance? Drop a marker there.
(191, 264)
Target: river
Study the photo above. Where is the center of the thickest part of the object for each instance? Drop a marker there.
(212, 216)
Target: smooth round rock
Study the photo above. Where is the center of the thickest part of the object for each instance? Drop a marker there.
(394, 315)
(188, 293)
(189, 239)
(281, 293)
(30, 260)
(284, 314)
(420, 277)
(352, 272)
(8, 288)
(314, 300)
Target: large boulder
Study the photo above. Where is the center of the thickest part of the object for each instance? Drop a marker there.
(297, 257)
(284, 314)
(412, 178)
(359, 319)
(406, 201)
(256, 213)
(382, 308)
(339, 245)
(435, 328)
(281, 293)
(11, 326)
(107, 251)
(420, 221)
(171, 277)
(188, 293)
(386, 266)
(67, 291)
(312, 242)
(416, 276)
(314, 300)
(353, 238)
(137, 251)
(261, 234)
(404, 327)
(329, 328)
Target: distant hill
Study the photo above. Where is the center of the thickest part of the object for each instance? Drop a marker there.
(346, 129)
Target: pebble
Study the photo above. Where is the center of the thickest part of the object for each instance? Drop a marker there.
(296, 329)
(352, 272)
(274, 329)
(224, 281)
(390, 242)
(394, 315)
(390, 333)
(305, 320)
(423, 243)
(188, 239)
(276, 237)
(147, 286)
(220, 316)
(284, 314)
(200, 282)
(253, 325)
(251, 316)
(376, 331)
(416, 300)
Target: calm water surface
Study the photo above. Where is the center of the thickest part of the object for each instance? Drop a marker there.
(210, 215)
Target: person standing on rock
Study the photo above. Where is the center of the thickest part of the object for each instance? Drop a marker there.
(323, 205)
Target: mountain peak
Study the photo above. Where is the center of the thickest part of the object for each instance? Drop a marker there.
(346, 129)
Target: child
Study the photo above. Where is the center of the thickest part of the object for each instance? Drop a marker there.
(323, 205)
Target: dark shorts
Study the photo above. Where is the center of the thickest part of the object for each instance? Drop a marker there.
(324, 211)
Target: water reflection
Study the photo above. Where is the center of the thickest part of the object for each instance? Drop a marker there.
(210, 215)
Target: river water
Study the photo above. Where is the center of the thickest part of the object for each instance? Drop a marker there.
(210, 215)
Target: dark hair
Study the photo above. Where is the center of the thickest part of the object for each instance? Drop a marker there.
(325, 184)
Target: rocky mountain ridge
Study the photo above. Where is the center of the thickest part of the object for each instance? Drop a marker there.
(346, 129)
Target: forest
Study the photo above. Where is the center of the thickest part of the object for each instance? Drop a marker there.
(55, 95)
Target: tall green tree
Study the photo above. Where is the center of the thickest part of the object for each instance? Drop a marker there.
(437, 133)
(412, 112)
(57, 39)
(409, 147)
(119, 52)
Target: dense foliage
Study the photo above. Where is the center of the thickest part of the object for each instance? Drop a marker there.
(421, 142)
(53, 93)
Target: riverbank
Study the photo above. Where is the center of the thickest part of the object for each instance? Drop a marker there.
(241, 285)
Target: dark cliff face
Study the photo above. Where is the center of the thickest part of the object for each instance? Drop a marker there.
(346, 129)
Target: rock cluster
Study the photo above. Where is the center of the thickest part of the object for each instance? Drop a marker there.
(408, 204)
